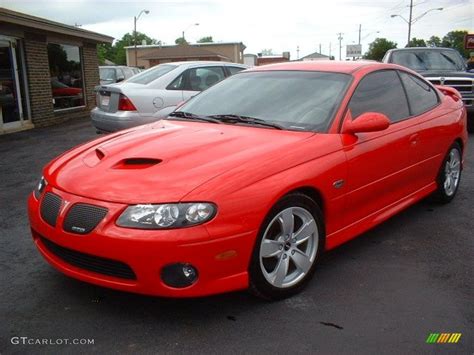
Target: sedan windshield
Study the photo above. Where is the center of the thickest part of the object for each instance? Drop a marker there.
(420, 60)
(107, 74)
(298, 100)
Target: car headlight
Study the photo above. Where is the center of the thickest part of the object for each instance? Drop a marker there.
(40, 187)
(169, 215)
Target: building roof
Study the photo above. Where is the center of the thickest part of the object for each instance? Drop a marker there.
(39, 23)
(180, 51)
(190, 44)
(315, 55)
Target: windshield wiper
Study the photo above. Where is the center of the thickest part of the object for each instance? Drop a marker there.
(450, 60)
(420, 60)
(232, 118)
(192, 116)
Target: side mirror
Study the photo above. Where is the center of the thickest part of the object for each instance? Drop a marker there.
(367, 122)
(120, 78)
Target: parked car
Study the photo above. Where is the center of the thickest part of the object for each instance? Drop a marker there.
(155, 92)
(111, 74)
(443, 66)
(246, 184)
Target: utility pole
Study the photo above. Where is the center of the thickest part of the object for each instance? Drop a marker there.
(297, 52)
(360, 30)
(320, 48)
(410, 22)
(135, 38)
(339, 37)
(329, 50)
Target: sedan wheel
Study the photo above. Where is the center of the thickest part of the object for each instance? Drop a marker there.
(289, 244)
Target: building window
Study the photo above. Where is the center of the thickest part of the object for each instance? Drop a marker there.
(65, 68)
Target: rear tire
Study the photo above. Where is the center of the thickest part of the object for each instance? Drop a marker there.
(449, 175)
(288, 246)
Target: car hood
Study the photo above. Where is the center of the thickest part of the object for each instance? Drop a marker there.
(164, 161)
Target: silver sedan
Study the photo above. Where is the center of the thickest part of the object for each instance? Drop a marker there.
(155, 93)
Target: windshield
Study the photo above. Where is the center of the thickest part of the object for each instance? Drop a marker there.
(107, 74)
(300, 100)
(420, 60)
(149, 75)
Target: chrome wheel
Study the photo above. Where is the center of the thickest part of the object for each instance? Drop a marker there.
(289, 246)
(452, 172)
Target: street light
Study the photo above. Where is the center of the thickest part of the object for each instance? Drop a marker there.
(187, 28)
(411, 20)
(135, 19)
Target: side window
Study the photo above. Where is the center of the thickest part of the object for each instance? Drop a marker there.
(381, 92)
(421, 96)
(128, 72)
(234, 70)
(200, 79)
(120, 74)
(178, 83)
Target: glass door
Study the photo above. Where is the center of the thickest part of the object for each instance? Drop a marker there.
(11, 108)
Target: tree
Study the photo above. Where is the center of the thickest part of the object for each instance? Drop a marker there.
(455, 39)
(105, 51)
(378, 48)
(128, 39)
(416, 42)
(434, 41)
(207, 39)
(267, 51)
(180, 40)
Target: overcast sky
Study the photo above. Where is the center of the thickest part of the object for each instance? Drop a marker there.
(277, 25)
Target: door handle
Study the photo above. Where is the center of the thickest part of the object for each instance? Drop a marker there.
(414, 139)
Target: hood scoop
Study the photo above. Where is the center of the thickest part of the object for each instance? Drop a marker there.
(136, 163)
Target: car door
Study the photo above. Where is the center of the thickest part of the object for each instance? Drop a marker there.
(198, 79)
(382, 166)
(433, 140)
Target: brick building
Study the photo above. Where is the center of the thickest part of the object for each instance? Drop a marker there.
(48, 71)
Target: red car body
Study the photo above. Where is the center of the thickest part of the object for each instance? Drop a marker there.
(245, 173)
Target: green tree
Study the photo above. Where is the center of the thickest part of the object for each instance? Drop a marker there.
(416, 42)
(105, 51)
(128, 39)
(180, 40)
(434, 41)
(267, 51)
(455, 39)
(207, 39)
(378, 48)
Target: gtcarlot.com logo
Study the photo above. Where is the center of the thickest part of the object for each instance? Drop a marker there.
(443, 338)
(50, 341)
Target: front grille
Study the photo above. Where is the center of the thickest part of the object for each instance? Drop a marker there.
(461, 85)
(90, 262)
(82, 218)
(50, 207)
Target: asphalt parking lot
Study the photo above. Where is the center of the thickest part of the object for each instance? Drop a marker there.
(384, 292)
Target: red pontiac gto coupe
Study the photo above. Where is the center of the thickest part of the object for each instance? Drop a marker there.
(247, 183)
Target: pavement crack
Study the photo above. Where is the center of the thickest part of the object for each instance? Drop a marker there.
(329, 324)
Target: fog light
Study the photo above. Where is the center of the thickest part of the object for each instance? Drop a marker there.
(179, 275)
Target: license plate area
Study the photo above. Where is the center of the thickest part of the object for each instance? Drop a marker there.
(104, 100)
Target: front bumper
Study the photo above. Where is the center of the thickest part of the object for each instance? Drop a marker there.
(221, 263)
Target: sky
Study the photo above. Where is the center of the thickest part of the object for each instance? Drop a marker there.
(260, 24)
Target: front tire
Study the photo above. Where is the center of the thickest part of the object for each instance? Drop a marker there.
(287, 249)
(449, 175)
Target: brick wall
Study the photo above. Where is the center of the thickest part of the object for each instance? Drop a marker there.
(39, 84)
